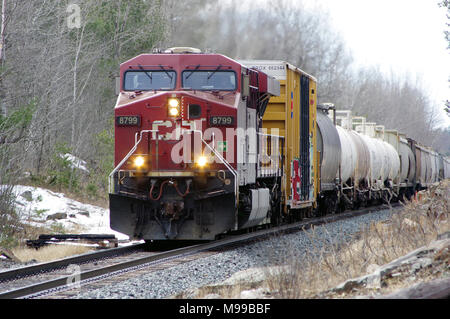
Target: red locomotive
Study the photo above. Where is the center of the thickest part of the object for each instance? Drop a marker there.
(191, 160)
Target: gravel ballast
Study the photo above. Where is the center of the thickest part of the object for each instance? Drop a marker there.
(219, 267)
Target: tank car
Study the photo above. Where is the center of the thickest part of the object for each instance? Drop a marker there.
(329, 150)
(368, 167)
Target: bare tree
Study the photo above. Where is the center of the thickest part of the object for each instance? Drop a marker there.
(69, 73)
(2, 30)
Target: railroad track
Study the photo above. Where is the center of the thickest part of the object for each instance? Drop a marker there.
(61, 279)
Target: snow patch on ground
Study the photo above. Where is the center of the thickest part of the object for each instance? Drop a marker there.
(42, 207)
(75, 162)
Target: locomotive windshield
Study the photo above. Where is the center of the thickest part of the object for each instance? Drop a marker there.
(209, 80)
(149, 80)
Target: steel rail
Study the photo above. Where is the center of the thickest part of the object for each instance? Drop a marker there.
(222, 243)
(60, 263)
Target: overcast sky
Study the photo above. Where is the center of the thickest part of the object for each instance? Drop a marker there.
(405, 36)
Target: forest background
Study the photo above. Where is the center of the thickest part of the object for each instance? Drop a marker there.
(59, 60)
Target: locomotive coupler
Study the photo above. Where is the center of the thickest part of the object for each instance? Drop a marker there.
(172, 212)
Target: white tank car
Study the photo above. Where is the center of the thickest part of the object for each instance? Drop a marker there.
(363, 158)
(348, 154)
(394, 162)
(386, 164)
(329, 146)
(376, 161)
(392, 140)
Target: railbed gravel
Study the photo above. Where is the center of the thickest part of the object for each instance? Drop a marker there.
(219, 267)
(7, 264)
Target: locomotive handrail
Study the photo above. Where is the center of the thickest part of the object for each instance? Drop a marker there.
(137, 142)
(225, 162)
(236, 180)
(279, 155)
(216, 153)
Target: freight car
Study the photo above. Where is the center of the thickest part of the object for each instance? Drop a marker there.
(369, 164)
(293, 116)
(205, 145)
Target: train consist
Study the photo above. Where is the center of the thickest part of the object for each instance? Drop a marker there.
(372, 164)
(205, 145)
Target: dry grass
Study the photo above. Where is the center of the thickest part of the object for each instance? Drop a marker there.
(48, 253)
(21, 253)
(323, 268)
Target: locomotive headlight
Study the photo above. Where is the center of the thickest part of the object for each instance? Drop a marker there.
(174, 103)
(174, 107)
(202, 161)
(173, 111)
(139, 161)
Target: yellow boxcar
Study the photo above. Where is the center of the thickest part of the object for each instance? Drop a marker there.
(293, 116)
